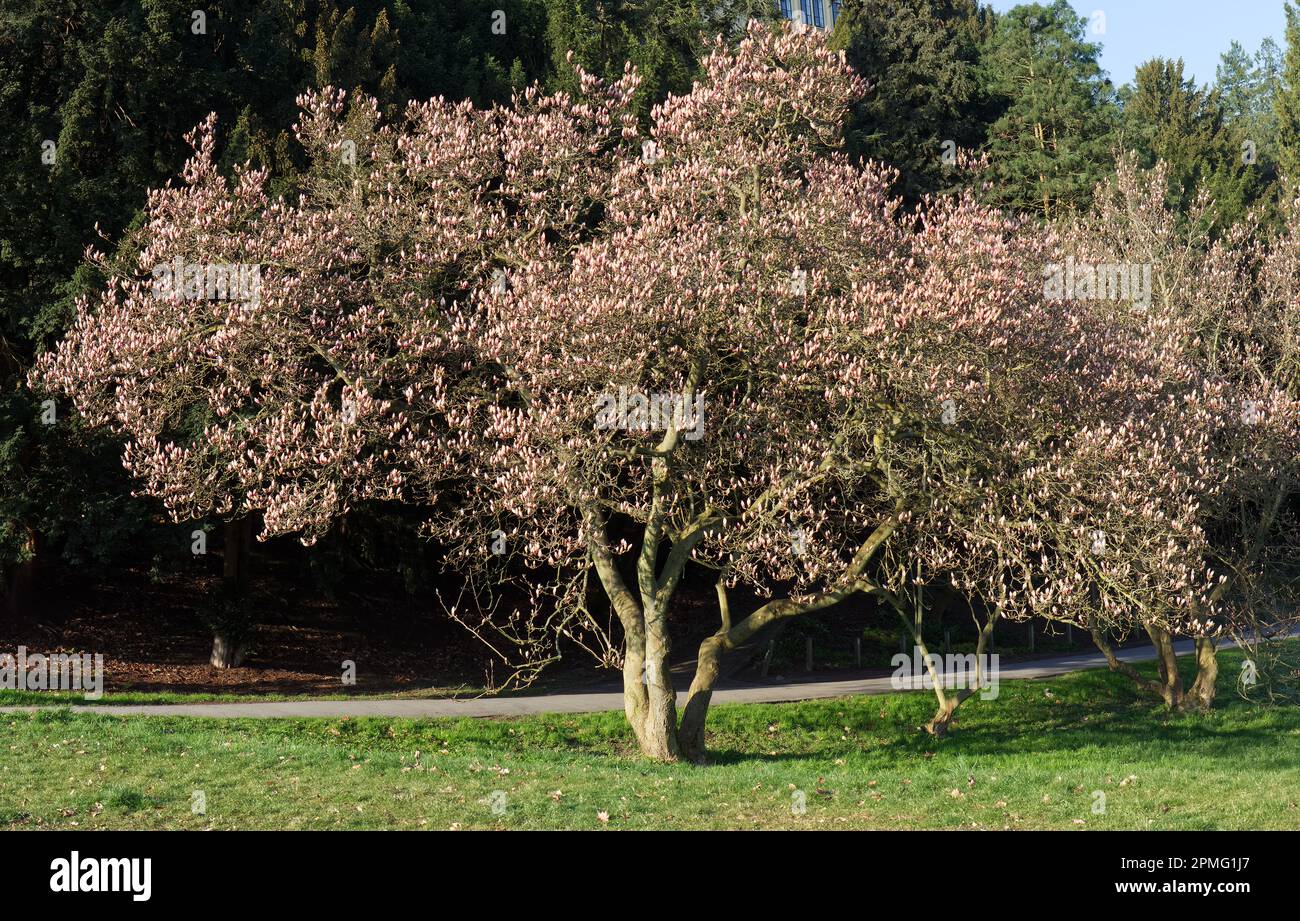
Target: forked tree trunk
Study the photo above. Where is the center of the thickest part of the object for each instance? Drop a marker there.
(1200, 696)
(1121, 667)
(691, 733)
(648, 696)
(1169, 686)
(941, 722)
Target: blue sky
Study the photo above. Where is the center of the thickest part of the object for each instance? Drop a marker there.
(1197, 31)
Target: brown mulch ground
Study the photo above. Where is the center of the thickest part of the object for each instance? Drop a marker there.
(153, 639)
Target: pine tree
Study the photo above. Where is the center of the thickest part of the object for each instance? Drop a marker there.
(664, 39)
(1237, 81)
(468, 49)
(1248, 86)
(1167, 117)
(1051, 143)
(1287, 101)
(921, 58)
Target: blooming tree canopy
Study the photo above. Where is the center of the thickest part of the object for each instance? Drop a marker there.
(266, 355)
(1223, 300)
(721, 345)
(758, 364)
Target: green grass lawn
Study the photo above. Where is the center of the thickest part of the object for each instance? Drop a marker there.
(1034, 758)
(14, 698)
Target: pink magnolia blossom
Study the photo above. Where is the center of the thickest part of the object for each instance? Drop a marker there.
(487, 312)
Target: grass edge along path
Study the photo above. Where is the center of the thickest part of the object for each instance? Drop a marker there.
(434, 702)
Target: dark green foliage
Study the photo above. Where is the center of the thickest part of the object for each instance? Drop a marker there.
(921, 58)
(92, 100)
(1286, 103)
(449, 48)
(1051, 143)
(114, 85)
(1248, 86)
(664, 39)
(1166, 117)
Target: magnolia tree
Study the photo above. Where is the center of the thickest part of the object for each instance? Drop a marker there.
(718, 346)
(262, 357)
(756, 364)
(1224, 301)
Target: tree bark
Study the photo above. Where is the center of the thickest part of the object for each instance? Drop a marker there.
(659, 725)
(1171, 682)
(229, 638)
(1120, 667)
(1169, 688)
(20, 578)
(696, 712)
(941, 722)
(227, 650)
(691, 734)
(1200, 696)
(636, 696)
(648, 699)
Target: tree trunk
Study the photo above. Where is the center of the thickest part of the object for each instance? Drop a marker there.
(659, 727)
(1171, 682)
(941, 722)
(20, 578)
(1169, 687)
(648, 698)
(230, 634)
(914, 629)
(227, 650)
(1124, 668)
(691, 736)
(1200, 696)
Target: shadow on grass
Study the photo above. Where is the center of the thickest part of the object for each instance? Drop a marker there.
(1094, 710)
(1080, 712)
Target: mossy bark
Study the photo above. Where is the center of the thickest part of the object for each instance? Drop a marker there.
(1169, 686)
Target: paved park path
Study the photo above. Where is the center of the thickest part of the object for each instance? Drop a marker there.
(594, 701)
